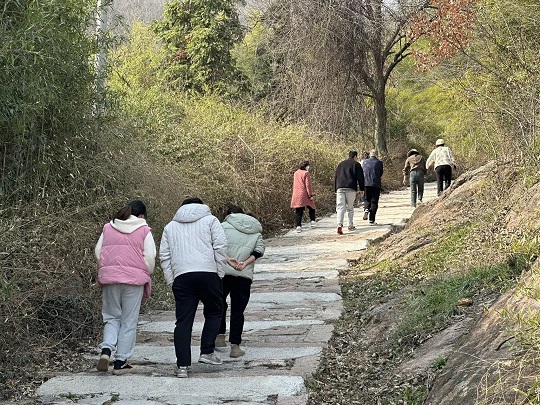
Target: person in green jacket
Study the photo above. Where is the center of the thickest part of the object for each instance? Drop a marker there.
(245, 244)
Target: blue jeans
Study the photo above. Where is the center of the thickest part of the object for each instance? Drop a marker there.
(417, 186)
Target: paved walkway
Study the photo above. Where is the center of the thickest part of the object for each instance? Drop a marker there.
(295, 299)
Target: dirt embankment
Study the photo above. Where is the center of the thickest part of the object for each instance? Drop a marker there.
(469, 247)
(488, 364)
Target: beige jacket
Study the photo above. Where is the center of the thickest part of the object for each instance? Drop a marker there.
(415, 162)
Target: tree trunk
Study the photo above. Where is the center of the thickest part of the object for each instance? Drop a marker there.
(380, 124)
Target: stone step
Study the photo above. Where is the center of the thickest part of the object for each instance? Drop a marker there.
(295, 299)
(126, 389)
(165, 354)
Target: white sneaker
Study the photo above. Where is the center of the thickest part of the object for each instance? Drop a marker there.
(298, 229)
(313, 223)
(210, 358)
(181, 372)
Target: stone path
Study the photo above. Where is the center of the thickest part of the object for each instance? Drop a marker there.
(295, 298)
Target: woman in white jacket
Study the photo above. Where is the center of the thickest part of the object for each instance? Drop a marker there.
(245, 244)
(193, 255)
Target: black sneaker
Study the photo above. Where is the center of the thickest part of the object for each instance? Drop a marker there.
(121, 367)
(103, 362)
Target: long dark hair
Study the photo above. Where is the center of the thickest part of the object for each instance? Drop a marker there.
(303, 164)
(135, 207)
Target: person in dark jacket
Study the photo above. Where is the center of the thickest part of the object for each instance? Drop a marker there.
(373, 171)
(413, 174)
(348, 181)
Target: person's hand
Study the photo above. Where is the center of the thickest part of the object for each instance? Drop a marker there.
(232, 262)
(311, 198)
(241, 266)
(405, 183)
(360, 193)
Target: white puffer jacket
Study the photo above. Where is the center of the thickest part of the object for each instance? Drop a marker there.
(193, 241)
(243, 234)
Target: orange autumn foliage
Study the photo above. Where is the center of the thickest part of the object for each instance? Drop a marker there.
(447, 25)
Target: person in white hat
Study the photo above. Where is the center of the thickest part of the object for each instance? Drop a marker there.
(443, 161)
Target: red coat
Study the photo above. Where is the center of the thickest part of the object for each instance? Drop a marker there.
(302, 190)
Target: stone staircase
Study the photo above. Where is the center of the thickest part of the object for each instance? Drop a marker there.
(295, 299)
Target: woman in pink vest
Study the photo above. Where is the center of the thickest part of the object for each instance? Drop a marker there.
(302, 195)
(126, 254)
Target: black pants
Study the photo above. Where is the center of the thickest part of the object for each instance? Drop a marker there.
(300, 214)
(371, 204)
(188, 289)
(240, 289)
(444, 174)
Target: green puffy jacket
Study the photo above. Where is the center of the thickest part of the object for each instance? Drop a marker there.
(243, 234)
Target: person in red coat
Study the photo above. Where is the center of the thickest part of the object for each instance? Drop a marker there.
(302, 195)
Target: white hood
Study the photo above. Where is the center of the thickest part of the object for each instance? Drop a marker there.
(130, 225)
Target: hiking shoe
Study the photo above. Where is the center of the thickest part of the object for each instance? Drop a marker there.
(103, 362)
(366, 214)
(340, 230)
(313, 223)
(121, 368)
(236, 351)
(210, 358)
(181, 372)
(351, 228)
(298, 229)
(220, 341)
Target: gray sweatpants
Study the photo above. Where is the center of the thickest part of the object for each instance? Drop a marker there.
(345, 203)
(120, 310)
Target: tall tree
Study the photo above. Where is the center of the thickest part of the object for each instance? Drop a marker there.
(199, 36)
(364, 41)
(505, 87)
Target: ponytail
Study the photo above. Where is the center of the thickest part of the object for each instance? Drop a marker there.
(135, 207)
(123, 214)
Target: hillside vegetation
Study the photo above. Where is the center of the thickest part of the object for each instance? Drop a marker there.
(444, 311)
(227, 118)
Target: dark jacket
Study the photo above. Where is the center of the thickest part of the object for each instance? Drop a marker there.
(373, 170)
(349, 174)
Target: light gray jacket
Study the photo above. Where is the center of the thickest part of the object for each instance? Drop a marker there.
(193, 241)
(243, 237)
